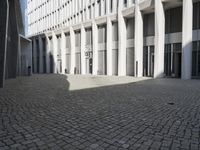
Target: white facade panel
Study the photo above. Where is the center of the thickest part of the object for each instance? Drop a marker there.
(111, 37)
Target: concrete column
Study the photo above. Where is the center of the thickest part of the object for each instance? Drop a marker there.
(47, 54)
(108, 6)
(67, 11)
(102, 7)
(187, 39)
(122, 44)
(92, 11)
(114, 6)
(159, 39)
(96, 9)
(83, 44)
(41, 54)
(55, 50)
(109, 46)
(72, 41)
(72, 7)
(138, 41)
(63, 52)
(87, 12)
(129, 3)
(34, 55)
(109, 40)
(95, 47)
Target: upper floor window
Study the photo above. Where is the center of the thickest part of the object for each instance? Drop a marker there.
(125, 3)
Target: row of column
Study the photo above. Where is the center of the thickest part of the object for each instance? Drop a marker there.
(159, 43)
(186, 39)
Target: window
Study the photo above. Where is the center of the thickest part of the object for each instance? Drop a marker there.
(59, 45)
(125, 3)
(68, 44)
(78, 38)
(196, 16)
(196, 59)
(99, 4)
(115, 31)
(89, 36)
(130, 28)
(173, 20)
(102, 34)
(149, 24)
(111, 6)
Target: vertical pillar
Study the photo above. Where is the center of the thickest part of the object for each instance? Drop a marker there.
(41, 54)
(109, 46)
(92, 11)
(129, 2)
(159, 39)
(96, 9)
(121, 41)
(83, 44)
(109, 40)
(34, 56)
(63, 52)
(72, 41)
(95, 47)
(55, 47)
(114, 9)
(187, 39)
(138, 41)
(108, 6)
(102, 7)
(47, 54)
(86, 11)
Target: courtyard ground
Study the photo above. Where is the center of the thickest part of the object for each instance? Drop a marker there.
(111, 113)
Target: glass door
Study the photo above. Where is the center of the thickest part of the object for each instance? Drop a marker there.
(148, 61)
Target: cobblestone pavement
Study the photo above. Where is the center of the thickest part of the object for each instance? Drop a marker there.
(39, 112)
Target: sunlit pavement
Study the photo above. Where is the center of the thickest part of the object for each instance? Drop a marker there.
(78, 82)
(88, 112)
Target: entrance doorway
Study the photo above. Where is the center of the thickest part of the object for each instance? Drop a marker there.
(51, 63)
(59, 66)
(89, 61)
(130, 62)
(173, 59)
(148, 64)
(89, 66)
(102, 62)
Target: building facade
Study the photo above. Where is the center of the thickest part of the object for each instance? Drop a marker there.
(154, 38)
(15, 49)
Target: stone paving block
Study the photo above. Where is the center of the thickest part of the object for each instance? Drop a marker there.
(41, 112)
